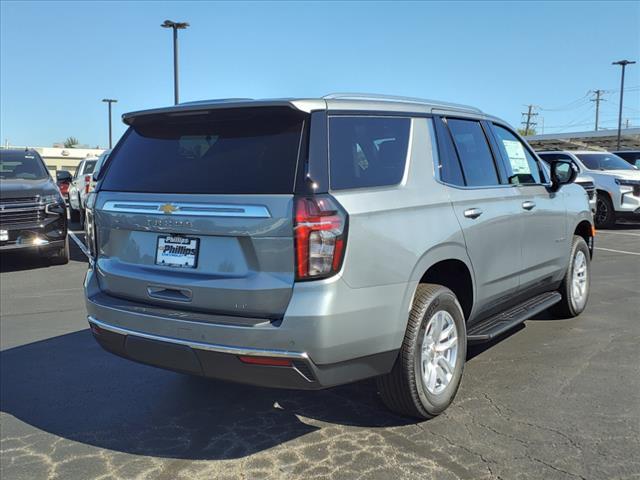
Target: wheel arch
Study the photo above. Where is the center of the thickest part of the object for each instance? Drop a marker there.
(586, 230)
(447, 265)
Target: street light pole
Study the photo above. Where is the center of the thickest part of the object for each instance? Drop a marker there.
(110, 101)
(623, 64)
(175, 26)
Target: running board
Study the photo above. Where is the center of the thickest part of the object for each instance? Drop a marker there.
(491, 327)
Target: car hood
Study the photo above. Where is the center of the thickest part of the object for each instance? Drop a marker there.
(621, 174)
(19, 187)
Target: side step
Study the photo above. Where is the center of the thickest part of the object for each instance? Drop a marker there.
(491, 327)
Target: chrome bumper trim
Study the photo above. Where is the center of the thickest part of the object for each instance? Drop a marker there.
(201, 346)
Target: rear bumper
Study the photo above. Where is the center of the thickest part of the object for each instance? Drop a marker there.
(223, 362)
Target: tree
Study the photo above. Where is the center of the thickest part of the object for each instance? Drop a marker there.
(532, 131)
(71, 142)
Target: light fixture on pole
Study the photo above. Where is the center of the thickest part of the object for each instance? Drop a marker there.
(110, 101)
(623, 64)
(175, 26)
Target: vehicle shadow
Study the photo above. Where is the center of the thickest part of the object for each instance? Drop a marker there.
(21, 261)
(70, 387)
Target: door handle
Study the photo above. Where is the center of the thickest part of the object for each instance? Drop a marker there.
(528, 205)
(472, 212)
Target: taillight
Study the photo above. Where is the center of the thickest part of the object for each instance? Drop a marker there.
(90, 226)
(320, 230)
(87, 183)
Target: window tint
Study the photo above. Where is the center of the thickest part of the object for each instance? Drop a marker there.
(89, 166)
(474, 152)
(25, 165)
(603, 161)
(227, 152)
(522, 167)
(367, 151)
(450, 170)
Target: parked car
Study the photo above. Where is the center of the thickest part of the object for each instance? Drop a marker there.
(617, 184)
(33, 215)
(584, 181)
(80, 188)
(631, 156)
(63, 180)
(311, 243)
(96, 170)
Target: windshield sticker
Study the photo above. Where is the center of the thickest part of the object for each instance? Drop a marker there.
(517, 157)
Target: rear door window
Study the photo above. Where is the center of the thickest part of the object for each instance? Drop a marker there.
(522, 167)
(367, 151)
(474, 152)
(450, 169)
(241, 151)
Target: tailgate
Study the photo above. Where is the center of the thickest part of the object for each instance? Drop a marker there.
(243, 264)
(195, 211)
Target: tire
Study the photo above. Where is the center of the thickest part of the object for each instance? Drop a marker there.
(605, 216)
(404, 390)
(74, 214)
(60, 256)
(574, 301)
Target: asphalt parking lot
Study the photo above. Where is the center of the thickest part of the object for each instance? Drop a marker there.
(556, 399)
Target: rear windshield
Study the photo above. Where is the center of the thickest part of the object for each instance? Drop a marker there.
(89, 167)
(21, 165)
(225, 152)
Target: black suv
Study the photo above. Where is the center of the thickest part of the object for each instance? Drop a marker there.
(33, 214)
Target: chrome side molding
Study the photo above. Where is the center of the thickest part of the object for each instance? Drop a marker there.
(190, 209)
(201, 345)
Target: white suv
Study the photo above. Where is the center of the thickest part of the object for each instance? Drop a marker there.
(617, 183)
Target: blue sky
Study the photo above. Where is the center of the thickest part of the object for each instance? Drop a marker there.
(59, 59)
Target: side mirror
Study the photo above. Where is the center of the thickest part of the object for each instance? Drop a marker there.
(63, 176)
(562, 173)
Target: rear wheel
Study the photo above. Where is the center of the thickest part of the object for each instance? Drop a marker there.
(60, 256)
(605, 216)
(428, 370)
(577, 281)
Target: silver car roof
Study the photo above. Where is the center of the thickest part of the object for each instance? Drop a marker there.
(332, 102)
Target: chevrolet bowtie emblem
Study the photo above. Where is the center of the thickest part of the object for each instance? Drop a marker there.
(167, 208)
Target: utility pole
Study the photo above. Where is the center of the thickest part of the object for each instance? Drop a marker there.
(110, 101)
(528, 123)
(623, 64)
(175, 26)
(598, 99)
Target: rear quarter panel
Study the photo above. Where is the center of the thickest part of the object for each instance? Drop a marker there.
(396, 233)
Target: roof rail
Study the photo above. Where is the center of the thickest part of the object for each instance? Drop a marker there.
(399, 99)
(216, 100)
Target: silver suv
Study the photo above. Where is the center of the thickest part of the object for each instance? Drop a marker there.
(617, 183)
(314, 242)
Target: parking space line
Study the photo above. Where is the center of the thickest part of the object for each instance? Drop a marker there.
(617, 251)
(79, 243)
(618, 233)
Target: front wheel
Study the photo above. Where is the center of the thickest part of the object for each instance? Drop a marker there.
(577, 281)
(428, 370)
(605, 216)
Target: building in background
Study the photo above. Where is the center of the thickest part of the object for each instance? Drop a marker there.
(592, 140)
